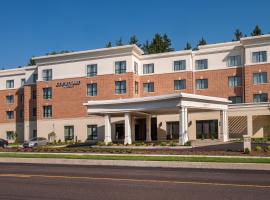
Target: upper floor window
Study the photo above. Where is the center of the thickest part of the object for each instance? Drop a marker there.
(201, 83)
(120, 67)
(47, 111)
(235, 99)
(35, 78)
(257, 98)
(34, 94)
(179, 84)
(10, 99)
(47, 93)
(22, 81)
(21, 98)
(10, 84)
(92, 132)
(234, 81)
(34, 112)
(149, 87)
(259, 56)
(201, 64)
(91, 70)
(10, 114)
(234, 61)
(179, 65)
(136, 87)
(120, 87)
(92, 89)
(47, 74)
(148, 68)
(135, 67)
(259, 78)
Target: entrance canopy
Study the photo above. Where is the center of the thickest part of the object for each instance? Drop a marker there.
(164, 104)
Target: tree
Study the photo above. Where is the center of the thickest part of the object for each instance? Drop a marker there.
(109, 44)
(256, 31)
(31, 62)
(188, 46)
(237, 35)
(119, 42)
(58, 52)
(202, 42)
(134, 40)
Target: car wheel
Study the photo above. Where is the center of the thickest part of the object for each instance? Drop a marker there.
(4, 146)
(35, 145)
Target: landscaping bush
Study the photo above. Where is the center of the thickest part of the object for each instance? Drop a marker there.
(163, 144)
(110, 144)
(172, 144)
(247, 151)
(188, 143)
(258, 148)
(99, 143)
(268, 148)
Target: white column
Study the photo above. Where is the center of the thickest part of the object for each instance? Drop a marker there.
(127, 129)
(249, 126)
(183, 125)
(108, 129)
(224, 126)
(148, 129)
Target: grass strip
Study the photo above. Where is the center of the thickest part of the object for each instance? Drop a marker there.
(139, 158)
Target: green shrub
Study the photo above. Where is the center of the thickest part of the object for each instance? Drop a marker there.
(247, 151)
(99, 143)
(163, 144)
(110, 144)
(172, 144)
(258, 148)
(268, 148)
(139, 143)
(188, 143)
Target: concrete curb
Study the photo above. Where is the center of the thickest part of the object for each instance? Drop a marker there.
(162, 164)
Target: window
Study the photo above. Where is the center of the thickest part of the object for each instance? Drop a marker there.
(148, 87)
(92, 89)
(235, 99)
(47, 93)
(148, 68)
(10, 135)
(234, 61)
(21, 98)
(234, 81)
(136, 87)
(69, 132)
(201, 83)
(34, 112)
(135, 67)
(120, 67)
(172, 130)
(10, 84)
(119, 131)
(34, 94)
(92, 133)
(21, 113)
(201, 64)
(179, 65)
(259, 78)
(22, 81)
(92, 70)
(10, 99)
(47, 74)
(179, 84)
(47, 111)
(120, 87)
(35, 78)
(10, 115)
(257, 98)
(260, 56)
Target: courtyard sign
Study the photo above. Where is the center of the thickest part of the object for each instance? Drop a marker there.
(68, 84)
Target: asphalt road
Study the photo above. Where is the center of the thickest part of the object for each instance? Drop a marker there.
(25, 181)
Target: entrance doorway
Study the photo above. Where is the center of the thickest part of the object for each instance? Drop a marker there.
(140, 129)
(207, 129)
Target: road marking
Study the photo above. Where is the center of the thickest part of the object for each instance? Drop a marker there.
(133, 180)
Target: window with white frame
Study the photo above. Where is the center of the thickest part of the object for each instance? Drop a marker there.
(135, 67)
(234, 61)
(22, 81)
(47, 111)
(47, 74)
(201, 64)
(92, 89)
(179, 84)
(235, 99)
(234, 81)
(10, 114)
(120, 87)
(92, 132)
(259, 56)
(10, 99)
(10, 135)
(10, 84)
(148, 68)
(149, 87)
(259, 78)
(201, 84)
(263, 97)
(91, 70)
(69, 132)
(47, 93)
(120, 67)
(179, 65)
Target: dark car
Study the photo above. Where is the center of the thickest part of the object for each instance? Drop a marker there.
(3, 143)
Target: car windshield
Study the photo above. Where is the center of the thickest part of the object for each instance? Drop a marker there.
(33, 139)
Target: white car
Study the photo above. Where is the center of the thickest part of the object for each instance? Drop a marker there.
(35, 142)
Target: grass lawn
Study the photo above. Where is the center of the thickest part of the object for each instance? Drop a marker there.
(140, 158)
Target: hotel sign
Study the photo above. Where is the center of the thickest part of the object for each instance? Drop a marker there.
(68, 84)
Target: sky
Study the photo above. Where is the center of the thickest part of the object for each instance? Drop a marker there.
(34, 27)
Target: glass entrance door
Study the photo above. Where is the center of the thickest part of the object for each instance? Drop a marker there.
(207, 129)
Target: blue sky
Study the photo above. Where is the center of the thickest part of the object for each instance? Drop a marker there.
(32, 28)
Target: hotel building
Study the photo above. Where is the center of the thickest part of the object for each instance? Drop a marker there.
(219, 91)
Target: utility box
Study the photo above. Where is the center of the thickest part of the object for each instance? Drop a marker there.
(247, 142)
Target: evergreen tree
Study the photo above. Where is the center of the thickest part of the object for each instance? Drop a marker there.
(202, 42)
(188, 46)
(119, 42)
(257, 31)
(134, 40)
(31, 62)
(109, 44)
(237, 35)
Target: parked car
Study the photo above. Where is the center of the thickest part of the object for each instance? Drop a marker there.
(36, 142)
(3, 143)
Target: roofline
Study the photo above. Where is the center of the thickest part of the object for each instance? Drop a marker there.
(255, 37)
(23, 68)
